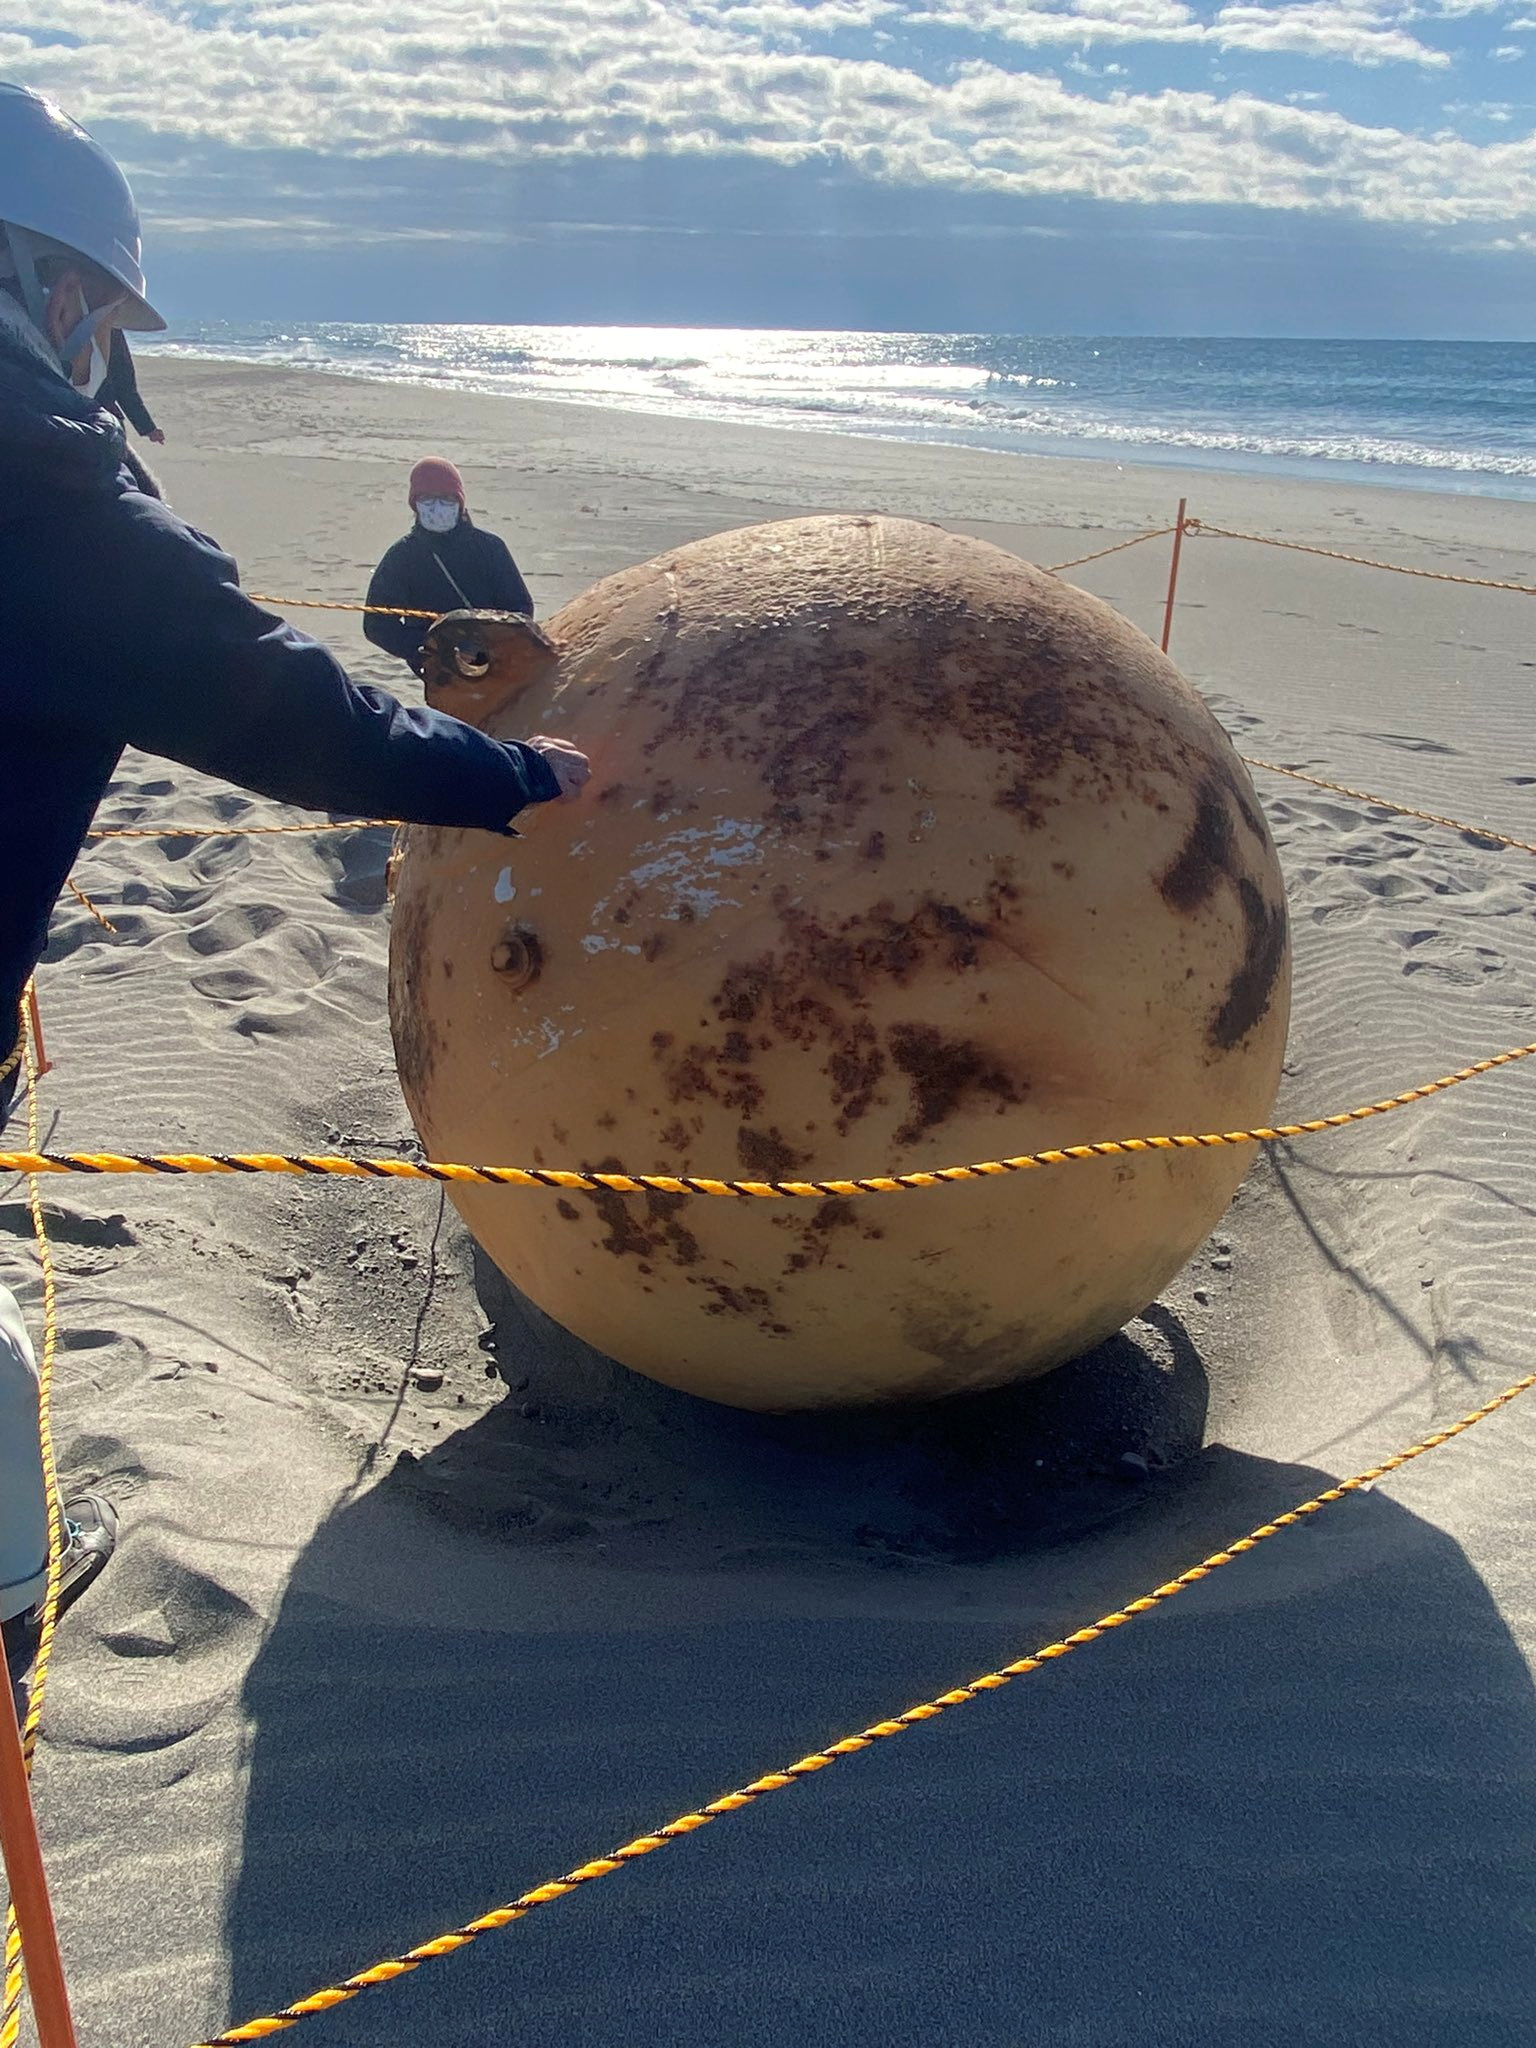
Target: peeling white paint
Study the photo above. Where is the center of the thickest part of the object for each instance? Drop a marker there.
(682, 868)
(554, 1037)
(727, 844)
(685, 863)
(700, 903)
(506, 889)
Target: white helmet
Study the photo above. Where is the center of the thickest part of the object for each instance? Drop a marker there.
(59, 189)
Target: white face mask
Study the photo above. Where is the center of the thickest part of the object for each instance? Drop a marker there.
(96, 372)
(438, 515)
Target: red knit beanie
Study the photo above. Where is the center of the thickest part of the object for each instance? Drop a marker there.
(435, 477)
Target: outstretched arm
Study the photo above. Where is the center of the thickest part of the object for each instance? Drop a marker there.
(208, 678)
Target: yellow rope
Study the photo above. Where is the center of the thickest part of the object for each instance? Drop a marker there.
(819, 1759)
(331, 1165)
(234, 831)
(100, 915)
(1386, 803)
(1135, 541)
(10, 2012)
(1297, 547)
(333, 604)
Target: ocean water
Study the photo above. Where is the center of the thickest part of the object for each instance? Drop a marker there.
(1450, 416)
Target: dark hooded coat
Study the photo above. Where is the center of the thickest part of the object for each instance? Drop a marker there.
(467, 569)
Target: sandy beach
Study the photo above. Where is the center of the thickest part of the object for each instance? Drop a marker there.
(393, 1635)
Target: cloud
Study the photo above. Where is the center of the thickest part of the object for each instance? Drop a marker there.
(495, 86)
(1323, 28)
(1365, 32)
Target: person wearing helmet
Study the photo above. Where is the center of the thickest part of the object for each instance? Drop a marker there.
(121, 626)
(445, 562)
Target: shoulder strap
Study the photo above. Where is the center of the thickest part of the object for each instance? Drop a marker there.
(463, 600)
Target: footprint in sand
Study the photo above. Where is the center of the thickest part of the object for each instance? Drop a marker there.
(211, 859)
(1332, 816)
(356, 864)
(1331, 913)
(189, 1637)
(235, 925)
(67, 1226)
(107, 1461)
(230, 807)
(157, 896)
(97, 1340)
(1234, 716)
(1409, 743)
(195, 1614)
(1389, 887)
(1450, 975)
(74, 930)
(288, 958)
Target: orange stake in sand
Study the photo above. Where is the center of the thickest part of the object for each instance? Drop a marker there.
(35, 1021)
(1173, 574)
(29, 1889)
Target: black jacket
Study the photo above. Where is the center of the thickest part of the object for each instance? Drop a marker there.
(121, 626)
(120, 391)
(441, 572)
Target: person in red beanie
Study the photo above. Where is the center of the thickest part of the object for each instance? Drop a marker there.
(444, 564)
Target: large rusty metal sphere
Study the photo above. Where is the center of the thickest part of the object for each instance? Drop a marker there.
(898, 853)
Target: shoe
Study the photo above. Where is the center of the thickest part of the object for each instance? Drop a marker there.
(90, 1528)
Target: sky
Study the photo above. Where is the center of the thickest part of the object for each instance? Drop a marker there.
(1302, 167)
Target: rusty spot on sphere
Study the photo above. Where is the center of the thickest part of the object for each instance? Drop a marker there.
(650, 1229)
(415, 1034)
(1251, 988)
(942, 1073)
(766, 1155)
(1206, 855)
